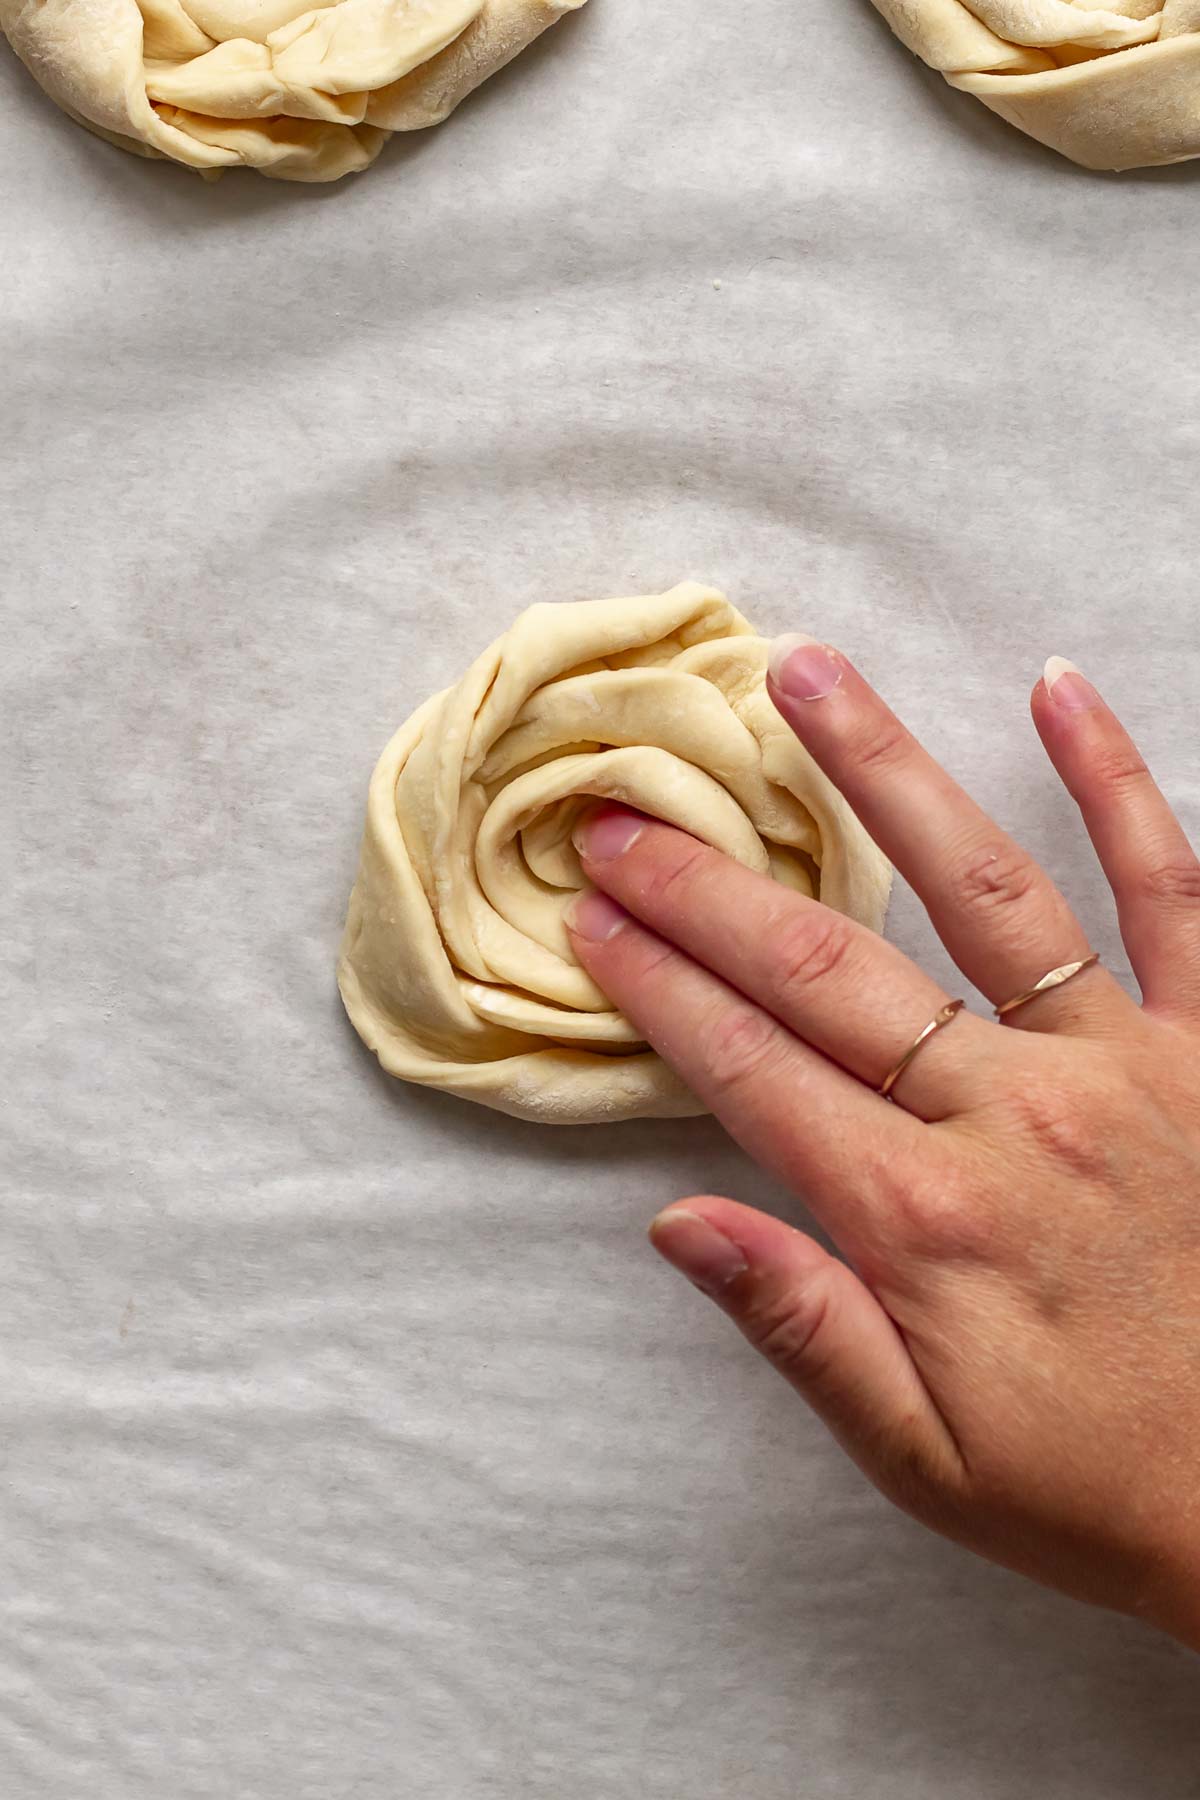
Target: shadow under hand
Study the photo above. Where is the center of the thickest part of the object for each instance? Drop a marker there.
(693, 1156)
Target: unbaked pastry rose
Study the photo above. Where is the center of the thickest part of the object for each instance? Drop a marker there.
(300, 92)
(1112, 85)
(456, 967)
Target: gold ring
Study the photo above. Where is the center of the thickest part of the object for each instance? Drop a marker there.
(951, 1009)
(1054, 979)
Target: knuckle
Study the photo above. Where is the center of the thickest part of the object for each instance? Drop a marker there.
(811, 949)
(1059, 1124)
(660, 883)
(993, 877)
(652, 954)
(1118, 769)
(1175, 883)
(881, 746)
(943, 1219)
(788, 1329)
(737, 1045)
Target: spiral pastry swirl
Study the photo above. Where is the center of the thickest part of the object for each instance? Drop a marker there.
(301, 92)
(456, 967)
(1113, 84)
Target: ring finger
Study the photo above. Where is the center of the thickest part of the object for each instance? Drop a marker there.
(999, 915)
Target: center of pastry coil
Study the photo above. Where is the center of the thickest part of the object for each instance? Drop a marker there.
(545, 772)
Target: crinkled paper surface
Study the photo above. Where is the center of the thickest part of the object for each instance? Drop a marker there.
(355, 1445)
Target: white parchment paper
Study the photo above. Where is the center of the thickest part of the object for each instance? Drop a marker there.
(354, 1444)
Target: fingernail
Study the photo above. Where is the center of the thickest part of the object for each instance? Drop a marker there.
(697, 1249)
(606, 834)
(594, 916)
(802, 668)
(1067, 687)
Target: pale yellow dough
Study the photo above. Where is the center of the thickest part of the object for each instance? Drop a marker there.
(299, 92)
(1113, 86)
(456, 967)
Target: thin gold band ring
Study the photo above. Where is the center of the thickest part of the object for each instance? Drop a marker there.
(937, 1023)
(1056, 977)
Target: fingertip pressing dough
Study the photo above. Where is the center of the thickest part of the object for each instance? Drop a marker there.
(300, 93)
(456, 967)
(1113, 86)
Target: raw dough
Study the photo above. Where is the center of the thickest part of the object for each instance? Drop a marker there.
(303, 93)
(456, 968)
(1113, 86)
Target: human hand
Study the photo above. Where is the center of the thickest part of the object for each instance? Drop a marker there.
(1011, 1349)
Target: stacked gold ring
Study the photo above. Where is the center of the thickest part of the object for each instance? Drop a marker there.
(1055, 978)
(938, 1023)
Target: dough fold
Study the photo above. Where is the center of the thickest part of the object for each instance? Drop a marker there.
(299, 92)
(1112, 86)
(456, 967)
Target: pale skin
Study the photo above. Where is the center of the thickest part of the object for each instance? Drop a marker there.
(1009, 1342)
